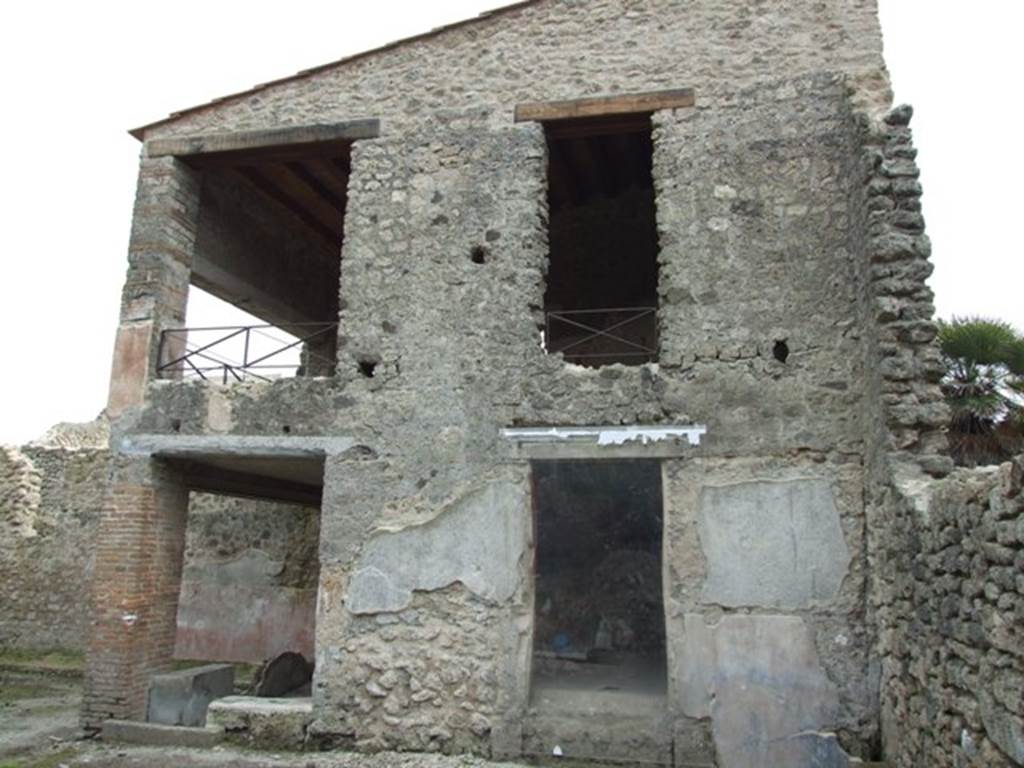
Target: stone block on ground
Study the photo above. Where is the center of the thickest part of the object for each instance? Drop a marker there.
(182, 697)
(263, 723)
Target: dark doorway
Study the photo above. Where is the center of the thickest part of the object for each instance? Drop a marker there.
(600, 625)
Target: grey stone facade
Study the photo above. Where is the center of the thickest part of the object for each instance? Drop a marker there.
(794, 326)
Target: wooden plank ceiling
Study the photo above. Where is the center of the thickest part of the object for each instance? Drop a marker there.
(604, 156)
(310, 181)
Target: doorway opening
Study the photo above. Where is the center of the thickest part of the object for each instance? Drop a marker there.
(600, 619)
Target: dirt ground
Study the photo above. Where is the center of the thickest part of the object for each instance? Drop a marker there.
(38, 711)
(96, 755)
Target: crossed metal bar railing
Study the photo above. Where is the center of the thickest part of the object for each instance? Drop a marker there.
(238, 352)
(626, 333)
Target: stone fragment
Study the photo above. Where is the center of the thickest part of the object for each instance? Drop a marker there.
(183, 697)
(900, 116)
(283, 674)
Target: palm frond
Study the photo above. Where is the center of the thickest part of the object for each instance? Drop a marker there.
(978, 341)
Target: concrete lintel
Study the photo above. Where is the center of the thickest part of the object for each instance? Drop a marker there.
(661, 441)
(607, 435)
(188, 146)
(248, 446)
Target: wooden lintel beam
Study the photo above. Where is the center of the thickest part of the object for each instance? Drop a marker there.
(244, 141)
(601, 106)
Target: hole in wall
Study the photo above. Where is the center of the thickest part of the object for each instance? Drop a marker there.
(478, 255)
(781, 350)
(176, 425)
(286, 429)
(368, 368)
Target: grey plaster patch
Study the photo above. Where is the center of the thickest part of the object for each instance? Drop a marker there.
(760, 681)
(772, 544)
(477, 540)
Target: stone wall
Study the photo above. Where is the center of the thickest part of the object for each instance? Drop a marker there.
(250, 567)
(910, 414)
(952, 645)
(567, 49)
(50, 501)
(944, 616)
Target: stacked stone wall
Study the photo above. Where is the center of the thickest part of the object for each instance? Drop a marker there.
(908, 366)
(953, 643)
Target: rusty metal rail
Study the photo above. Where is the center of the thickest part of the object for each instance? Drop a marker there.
(623, 333)
(237, 353)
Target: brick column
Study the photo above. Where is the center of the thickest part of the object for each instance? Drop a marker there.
(140, 546)
(159, 268)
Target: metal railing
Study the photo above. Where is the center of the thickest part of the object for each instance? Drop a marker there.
(627, 334)
(236, 353)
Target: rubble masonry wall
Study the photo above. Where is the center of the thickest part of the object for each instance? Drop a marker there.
(953, 601)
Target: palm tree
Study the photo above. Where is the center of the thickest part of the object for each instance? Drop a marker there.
(984, 387)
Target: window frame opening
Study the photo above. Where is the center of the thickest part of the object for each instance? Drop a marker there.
(601, 291)
(268, 241)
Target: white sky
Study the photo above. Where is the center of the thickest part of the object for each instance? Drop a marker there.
(77, 75)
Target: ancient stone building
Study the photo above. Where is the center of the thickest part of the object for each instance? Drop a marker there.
(616, 395)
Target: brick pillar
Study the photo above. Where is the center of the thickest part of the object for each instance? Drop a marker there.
(159, 269)
(140, 546)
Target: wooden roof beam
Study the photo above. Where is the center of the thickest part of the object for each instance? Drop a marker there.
(620, 104)
(249, 141)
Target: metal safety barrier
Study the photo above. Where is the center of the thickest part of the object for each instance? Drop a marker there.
(615, 333)
(236, 353)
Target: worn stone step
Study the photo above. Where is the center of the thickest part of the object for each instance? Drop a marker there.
(156, 735)
(264, 723)
(601, 737)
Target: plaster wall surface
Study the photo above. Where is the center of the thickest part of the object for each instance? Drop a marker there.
(249, 582)
(772, 544)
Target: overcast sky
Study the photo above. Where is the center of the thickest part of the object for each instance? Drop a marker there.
(78, 75)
